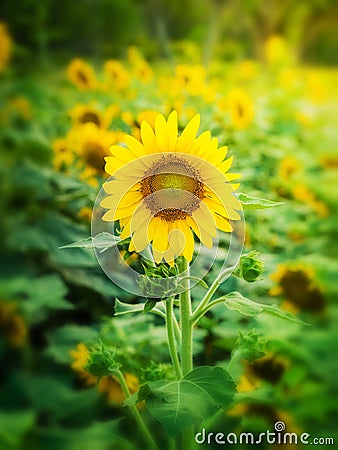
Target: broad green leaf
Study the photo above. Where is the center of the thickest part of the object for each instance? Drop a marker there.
(274, 310)
(249, 202)
(236, 302)
(186, 402)
(102, 242)
(13, 426)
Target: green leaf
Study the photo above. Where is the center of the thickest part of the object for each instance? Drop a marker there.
(149, 305)
(186, 402)
(274, 310)
(122, 308)
(102, 242)
(236, 302)
(13, 426)
(249, 202)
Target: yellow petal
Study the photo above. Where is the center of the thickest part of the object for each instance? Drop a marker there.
(188, 135)
(223, 224)
(172, 130)
(148, 138)
(160, 240)
(161, 132)
(135, 146)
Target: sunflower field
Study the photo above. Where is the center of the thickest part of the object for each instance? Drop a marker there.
(169, 222)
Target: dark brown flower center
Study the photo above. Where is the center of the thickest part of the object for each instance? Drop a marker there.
(90, 117)
(172, 188)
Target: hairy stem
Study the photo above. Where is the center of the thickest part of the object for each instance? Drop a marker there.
(169, 305)
(144, 430)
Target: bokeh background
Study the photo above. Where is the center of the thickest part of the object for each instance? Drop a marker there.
(74, 78)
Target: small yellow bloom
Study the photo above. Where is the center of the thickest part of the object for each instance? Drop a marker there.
(21, 106)
(117, 75)
(12, 325)
(5, 46)
(276, 49)
(85, 214)
(303, 194)
(288, 167)
(247, 69)
(81, 74)
(241, 108)
(63, 155)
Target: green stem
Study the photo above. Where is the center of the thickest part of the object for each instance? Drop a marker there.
(145, 432)
(169, 305)
(199, 314)
(210, 292)
(186, 324)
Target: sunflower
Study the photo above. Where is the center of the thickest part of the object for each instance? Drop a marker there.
(12, 325)
(117, 75)
(5, 46)
(296, 283)
(91, 144)
(81, 74)
(166, 187)
(241, 108)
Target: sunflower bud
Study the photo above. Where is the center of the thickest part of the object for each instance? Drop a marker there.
(250, 268)
(101, 361)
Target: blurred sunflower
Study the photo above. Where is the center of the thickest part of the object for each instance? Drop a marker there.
(303, 194)
(63, 155)
(167, 187)
(117, 75)
(142, 71)
(269, 368)
(296, 283)
(288, 167)
(91, 144)
(81, 74)
(106, 385)
(247, 69)
(12, 325)
(276, 50)
(5, 46)
(241, 108)
(84, 113)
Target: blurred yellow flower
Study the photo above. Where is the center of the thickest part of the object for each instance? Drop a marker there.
(117, 75)
(241, 108)
(85, 214)
(21, 106)
(276, 49)
(190, 78)
(63, 155)
(91, 144)
(247, 69)
(84, 113)
(5, 46)
(303, 194)
(142, 71)
(288, 167)
(106, 385)
(81, 74)
(12, 325)
(296, 283)
(169, 198)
